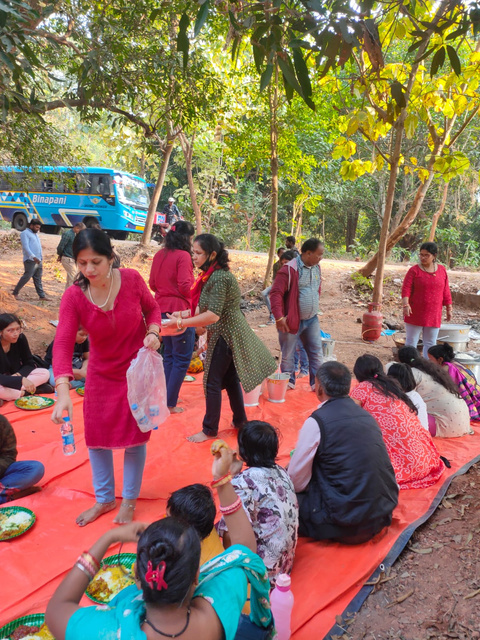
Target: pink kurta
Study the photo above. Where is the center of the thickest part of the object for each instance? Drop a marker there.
(427, 293)
(115, 338)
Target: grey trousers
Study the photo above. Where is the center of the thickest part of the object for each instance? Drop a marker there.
(32, 270)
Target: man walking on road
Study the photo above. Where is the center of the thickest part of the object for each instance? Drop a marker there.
(32, 259)
(65, 252)
(294, 298)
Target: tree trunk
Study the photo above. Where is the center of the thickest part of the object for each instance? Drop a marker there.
(273, 103)
(438, 213)
(403, 227)
(187, 148)
(351, 230)
(298, 229)
(152, 208)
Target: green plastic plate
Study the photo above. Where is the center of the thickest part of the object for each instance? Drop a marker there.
(125, 559)
(48, 403)
(33, 620)
(9, 511)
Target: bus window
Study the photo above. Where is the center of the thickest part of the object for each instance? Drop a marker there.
(82, 183)
(101, 183)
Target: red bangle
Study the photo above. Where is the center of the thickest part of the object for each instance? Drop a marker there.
(88, 556)
(231, 508)
(220, 481)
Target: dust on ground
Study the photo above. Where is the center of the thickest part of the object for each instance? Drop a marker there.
(433, 589)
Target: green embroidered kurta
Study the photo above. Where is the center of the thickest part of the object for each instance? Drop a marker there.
(253, 361)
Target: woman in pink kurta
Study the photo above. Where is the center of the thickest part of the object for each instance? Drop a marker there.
(117, 328)
(425, 291)
(414, 457)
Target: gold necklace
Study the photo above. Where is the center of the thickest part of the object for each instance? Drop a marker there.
(100, 306)
(433, 273)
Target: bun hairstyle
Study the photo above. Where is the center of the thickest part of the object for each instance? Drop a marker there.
(180, 236)
(98, 241)
(444, 351)
(209, 244)
(176, 544)
(411, 357)
(369, 368)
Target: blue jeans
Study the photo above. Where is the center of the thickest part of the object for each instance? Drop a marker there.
(301, 355)
(309, 334)
(104, 480)
(177, 355)
(266, 298)
(429, 336)
(18, 476)
(75, 384)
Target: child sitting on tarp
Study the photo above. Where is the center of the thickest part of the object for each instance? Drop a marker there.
(17, 479)
(81, 351)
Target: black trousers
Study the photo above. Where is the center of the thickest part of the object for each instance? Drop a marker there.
(222, 375)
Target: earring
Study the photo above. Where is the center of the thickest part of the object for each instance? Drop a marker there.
(110, 272)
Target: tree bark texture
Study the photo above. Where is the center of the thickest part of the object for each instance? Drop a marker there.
(187, 148)
(273, 103)
(438, 213)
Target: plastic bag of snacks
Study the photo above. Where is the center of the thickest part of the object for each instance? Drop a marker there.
(147, 390)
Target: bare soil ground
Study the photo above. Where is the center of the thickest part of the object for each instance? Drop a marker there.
(433, 589)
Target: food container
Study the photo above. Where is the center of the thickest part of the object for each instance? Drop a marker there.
(473, 364)
(277, 386)
(456, 335)
(327, 347)
(252, 398)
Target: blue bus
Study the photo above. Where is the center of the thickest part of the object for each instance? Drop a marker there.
(62, 196)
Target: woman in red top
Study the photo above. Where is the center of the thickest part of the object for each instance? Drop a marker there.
(120, 315)
(425, 291)
(171, 279)
(414, 457)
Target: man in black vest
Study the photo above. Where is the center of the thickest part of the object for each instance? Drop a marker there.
(341, 471)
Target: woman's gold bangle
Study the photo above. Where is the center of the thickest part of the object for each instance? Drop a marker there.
(282, 318)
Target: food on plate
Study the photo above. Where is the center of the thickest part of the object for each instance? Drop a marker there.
(33, 402)
(109, 581)
(26, 632)
(217, 445)
(81, 391)
(12, 524)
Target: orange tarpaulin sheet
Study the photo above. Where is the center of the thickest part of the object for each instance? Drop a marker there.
(326, 576)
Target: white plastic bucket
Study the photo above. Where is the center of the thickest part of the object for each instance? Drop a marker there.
(277, 386)
(252, 398)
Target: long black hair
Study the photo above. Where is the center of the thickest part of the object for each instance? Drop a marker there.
(180, 236)
(97, 241)
(176, 544)
(404, 376)
(444, 351)
(410, 356)
(369, 368)
(209, 244)
(8, 318)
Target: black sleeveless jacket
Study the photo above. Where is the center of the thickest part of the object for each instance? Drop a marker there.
(353, 488)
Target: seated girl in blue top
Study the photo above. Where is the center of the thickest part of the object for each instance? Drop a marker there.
(172, 597)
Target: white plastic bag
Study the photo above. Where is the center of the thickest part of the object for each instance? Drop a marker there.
(147, 390)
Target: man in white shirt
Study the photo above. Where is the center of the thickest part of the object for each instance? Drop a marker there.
(340, 469)
(32, 259)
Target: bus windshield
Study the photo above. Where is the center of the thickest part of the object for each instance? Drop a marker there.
(131, 191)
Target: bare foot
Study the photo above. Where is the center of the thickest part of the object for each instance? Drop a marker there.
(176, 409)
(126, 513)
(200, 437)
(98, 509)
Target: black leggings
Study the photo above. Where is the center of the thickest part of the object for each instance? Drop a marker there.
(222, 375)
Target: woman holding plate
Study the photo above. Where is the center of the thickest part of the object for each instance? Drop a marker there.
(235, 354)
(120, 315)
(425, 291)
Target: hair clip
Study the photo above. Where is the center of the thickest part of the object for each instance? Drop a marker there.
(375, 375)
(173, 228)
(156, 575)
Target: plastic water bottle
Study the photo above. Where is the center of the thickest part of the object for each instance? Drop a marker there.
(281, 600)
(68, 437)
(142, 419)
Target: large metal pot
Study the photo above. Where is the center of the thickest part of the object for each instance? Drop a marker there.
(472, 365)
(456, 335)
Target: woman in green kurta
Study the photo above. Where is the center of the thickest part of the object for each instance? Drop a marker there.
(235, 354)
